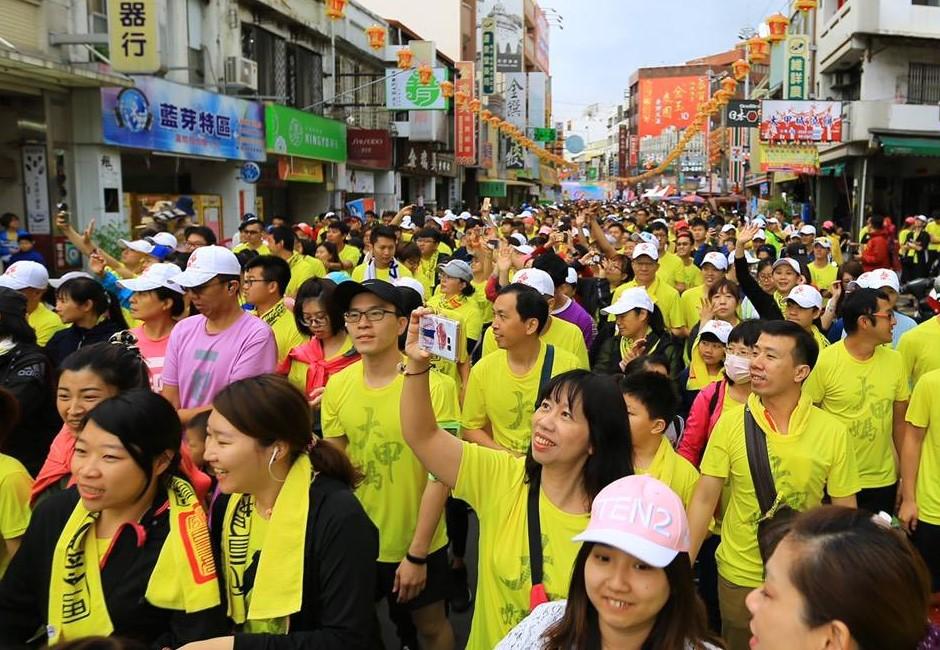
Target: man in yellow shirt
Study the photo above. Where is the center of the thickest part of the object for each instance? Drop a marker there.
(428, 241)
(822, 269)
(919, 349)
(266, 278)
(31, 280)
(645, 260)
(714, 269)
(558, 332)
(504, 386)
(349, 255)
(861, 381)
(250, 231)
(920, 467)
(809, 451)
(360, 413)
(688, 275)
(280, 240)
(652, 404)
(382, 265)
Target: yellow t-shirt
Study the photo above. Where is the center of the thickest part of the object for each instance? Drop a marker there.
(466, 309)
(505, 401)
(862, 395)
(673, 470)
(15, 485)
(663, 296)
(486, 307)
(669, 265)
(394, 478)
(302, 268)
(427, 273)
(816, 453)
(359, 273)
(924, 412)
(281, 321)
(560, 333)
(350, 255)
(823, 277)
(933, 229)
(919, 349)
(297, 374)
(45, 323)
(261, 250)
(492, 482)
(687, 274)
(691, 301)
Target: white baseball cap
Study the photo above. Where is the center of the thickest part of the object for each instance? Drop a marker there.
(55, 283)
(806, 296)
(411, 283)
(25, 275)
(716, 259)
(537, 279)
(761, 235)
(139, 245)
(645, 249)
(808, 230)
(728, 227)
(632, 298)
(155, 277)
(205, 263)
(407, 223)
(438, 221)
(572, 276)
(879, 279)
(165, 239)
(922, 217)
(649, 238)
(516, 239)
(718, 328)
(822, 241)
(457, 269)
(789, 261)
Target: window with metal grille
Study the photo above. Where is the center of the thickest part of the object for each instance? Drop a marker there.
(923, 83)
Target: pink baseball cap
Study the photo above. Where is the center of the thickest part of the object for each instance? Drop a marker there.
(640, 516)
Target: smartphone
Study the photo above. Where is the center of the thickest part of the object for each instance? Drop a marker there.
(486, 204)
(62, 207)
(439, 336)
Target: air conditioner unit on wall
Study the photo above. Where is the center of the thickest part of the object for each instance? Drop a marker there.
(241, 73)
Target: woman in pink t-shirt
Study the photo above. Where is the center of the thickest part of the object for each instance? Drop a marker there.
(157, 303)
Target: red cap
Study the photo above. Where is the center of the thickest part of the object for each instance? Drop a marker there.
(828, 225)
(682, 224)
(910, 220)
(306, 229)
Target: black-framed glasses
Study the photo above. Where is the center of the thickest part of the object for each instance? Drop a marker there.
(312, 320)
(372, 315)
(250, 281)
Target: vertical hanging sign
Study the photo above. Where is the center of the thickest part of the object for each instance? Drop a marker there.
(465, 149)
(133, 36)
(488, 54)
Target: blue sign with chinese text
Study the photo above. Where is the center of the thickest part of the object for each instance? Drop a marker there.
(164, 116)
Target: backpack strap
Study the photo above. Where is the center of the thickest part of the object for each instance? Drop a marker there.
(546, 374)
(537, 595)
(759, 463)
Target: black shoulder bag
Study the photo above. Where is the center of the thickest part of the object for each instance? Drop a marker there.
(537, 595)
(775, 518)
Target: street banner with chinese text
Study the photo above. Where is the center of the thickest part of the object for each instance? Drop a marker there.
(133, 36)
(415, 158)
(796, 159)
(509, 26)
(514, 154)
(515, 110)
(800, 121)
(161, 115)
(488, 56)
(289, 131)
(669, 102)
(300, 170)
(465, 137)
(797, 58)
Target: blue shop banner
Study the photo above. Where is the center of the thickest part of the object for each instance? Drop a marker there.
(161, 115)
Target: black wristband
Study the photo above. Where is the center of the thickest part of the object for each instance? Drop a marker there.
(419, 561)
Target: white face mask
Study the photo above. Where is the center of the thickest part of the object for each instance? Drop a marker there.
(737, 368)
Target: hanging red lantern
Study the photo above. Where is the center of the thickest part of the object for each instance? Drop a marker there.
(447, 89)
(376, 35)
(740, 69)
(425, 72)
(405, 56)
(777, 24)
(475, 105)
(805, 5)
(336, 9)
(758, 50)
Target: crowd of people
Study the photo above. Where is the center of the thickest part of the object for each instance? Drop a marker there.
(677, 428)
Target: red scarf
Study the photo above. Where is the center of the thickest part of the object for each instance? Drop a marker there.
(319, 369)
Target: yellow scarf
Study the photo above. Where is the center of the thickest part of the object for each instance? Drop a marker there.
(626, 345)
(699, 377)
(278, 586)
(184, 577)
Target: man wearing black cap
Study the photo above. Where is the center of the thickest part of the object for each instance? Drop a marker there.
(360, 413)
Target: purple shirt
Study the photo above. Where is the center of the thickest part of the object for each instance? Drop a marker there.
(575, 313)
(202, 364)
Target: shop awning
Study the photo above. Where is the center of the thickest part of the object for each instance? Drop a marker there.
(902, 146)
(832, 170)
(26, 72)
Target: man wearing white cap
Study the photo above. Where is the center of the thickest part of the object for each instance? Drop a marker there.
(804, 305)
(861, 381)
(645, 261)
(504, 385)
(31, 280)
(220, 345)
(887, 281)
(714, 269)
(822, 269)
(560, 333)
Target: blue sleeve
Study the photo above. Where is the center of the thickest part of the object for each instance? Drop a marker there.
(110, 282)
(699, 255)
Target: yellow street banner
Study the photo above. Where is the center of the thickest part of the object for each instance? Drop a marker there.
(133, 36)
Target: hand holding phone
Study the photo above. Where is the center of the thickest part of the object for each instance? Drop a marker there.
(439, 336)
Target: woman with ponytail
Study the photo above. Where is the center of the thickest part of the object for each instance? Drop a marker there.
(92, 314)
(295, 549)
(124, 552)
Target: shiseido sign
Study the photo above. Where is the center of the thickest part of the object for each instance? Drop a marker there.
(743, 112)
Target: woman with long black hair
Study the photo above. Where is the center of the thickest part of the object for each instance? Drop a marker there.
(125, 551)
(92, 314)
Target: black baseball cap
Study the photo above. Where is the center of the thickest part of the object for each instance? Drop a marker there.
(346, 291)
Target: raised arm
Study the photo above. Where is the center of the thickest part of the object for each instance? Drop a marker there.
(438, 451)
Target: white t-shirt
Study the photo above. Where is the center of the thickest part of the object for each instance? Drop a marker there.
(528, 634)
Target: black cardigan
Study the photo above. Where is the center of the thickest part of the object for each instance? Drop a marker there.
(24, 590)
(765, 304)
(337, 611)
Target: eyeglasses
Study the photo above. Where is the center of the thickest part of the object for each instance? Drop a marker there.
(312, 320)
(202, 287)
(889, 315)
(194, 244)
(250, 281)
(372, 315)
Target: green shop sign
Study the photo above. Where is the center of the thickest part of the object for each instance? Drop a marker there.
(290, 132)
(493, 189)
